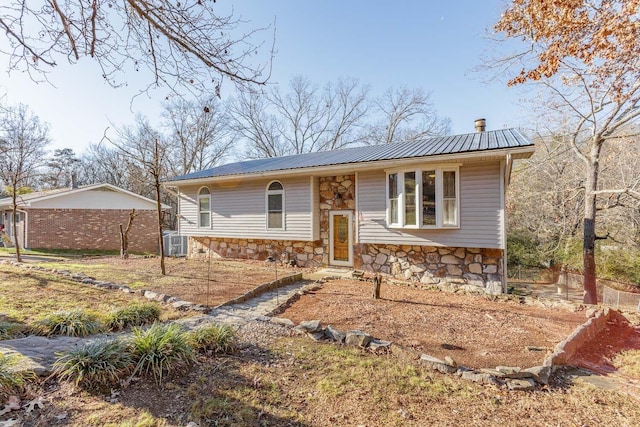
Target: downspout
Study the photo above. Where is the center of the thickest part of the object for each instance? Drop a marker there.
(24, 229)
(506, 167)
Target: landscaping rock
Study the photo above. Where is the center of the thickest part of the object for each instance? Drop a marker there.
(513, 372)
(480, 378)
(450, 361)
(150, 295)
(182, 305)
(541, 374)
(357, 338)
(437, 364)
(526, 384)
(316, 336)
(334, 334)
(282, 321)
(310, 326)
(379, 346)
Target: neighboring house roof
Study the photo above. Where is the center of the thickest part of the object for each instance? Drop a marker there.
(477, 142)
(26, 200)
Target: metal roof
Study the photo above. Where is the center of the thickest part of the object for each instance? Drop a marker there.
(472, 142)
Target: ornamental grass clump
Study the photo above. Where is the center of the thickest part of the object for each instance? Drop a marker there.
(160, 349)
(9, 329)
(214, 337)
(132, 315)
(96, 363)
(74, 323)
(12, 380)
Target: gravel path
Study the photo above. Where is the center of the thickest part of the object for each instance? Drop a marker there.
(40, 352)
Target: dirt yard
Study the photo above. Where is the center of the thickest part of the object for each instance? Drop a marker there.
(187, 279)
(474, 330)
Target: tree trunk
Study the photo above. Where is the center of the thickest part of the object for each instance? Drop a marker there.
(156, 177)
(124, 236)
(14, 196)
(377, 280)
(589, 225)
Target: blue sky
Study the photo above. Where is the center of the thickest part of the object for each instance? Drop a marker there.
(433, 45)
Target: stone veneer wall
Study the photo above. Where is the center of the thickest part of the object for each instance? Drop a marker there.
(91, 229)
(330, 188)
(478, 268)
(306, 254)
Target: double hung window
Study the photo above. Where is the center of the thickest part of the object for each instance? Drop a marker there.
(423, 198)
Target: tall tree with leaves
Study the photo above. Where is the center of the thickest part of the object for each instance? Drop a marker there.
(23, 139)
(60, 169)
(584, 54)
(189, 44)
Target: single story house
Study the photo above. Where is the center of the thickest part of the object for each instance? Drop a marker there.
(85, 217)
(432, 211)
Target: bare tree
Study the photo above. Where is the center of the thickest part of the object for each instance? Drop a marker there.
(584, 54)
(305, 118)
(406, 115)
(199, 134)
(143, 146)
(252, 121)
(315, 119)
(187, 44)
(23, 139)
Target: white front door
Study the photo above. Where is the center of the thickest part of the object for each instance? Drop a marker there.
(341, 238)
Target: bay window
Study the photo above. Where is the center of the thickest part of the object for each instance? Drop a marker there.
(423, 198)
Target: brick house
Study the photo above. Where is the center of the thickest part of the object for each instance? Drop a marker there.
(431, 210)
(85, 217)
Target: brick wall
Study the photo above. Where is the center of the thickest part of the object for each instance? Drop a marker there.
(90, 229)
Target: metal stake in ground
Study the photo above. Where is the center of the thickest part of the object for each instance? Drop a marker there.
(208, 271)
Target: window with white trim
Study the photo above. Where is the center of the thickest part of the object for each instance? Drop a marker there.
(275, 206)
(204, 207)
(423, 198)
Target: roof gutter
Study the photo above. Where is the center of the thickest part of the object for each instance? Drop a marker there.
(515, 153)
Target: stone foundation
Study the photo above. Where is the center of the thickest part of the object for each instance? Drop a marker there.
(305, 254)
(469, 267)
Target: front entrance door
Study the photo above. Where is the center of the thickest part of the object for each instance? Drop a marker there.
(340, 238)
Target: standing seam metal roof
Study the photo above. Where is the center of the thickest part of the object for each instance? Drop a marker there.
(472, 142)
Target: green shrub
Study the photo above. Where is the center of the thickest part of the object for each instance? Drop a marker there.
(214, 337)
(96, 363)
(10, 380)
(523, 249)
(132, 315)
(9, 329)
(161, 349)
(75, 323)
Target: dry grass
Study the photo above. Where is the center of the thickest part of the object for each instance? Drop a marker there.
(300, 383)
(26, 295)
(188, 279)
(628, 362)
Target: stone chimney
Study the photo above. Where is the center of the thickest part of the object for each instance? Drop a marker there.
(74, 181)
(481, 125)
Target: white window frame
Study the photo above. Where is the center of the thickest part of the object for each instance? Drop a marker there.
(439, 169)
(200, 212)
(266, 205)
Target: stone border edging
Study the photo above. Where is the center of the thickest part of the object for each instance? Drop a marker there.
(265, 287)
(175, 302)
(586, 332)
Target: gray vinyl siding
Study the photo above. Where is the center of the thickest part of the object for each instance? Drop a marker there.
(238, 210)
(480, 211)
